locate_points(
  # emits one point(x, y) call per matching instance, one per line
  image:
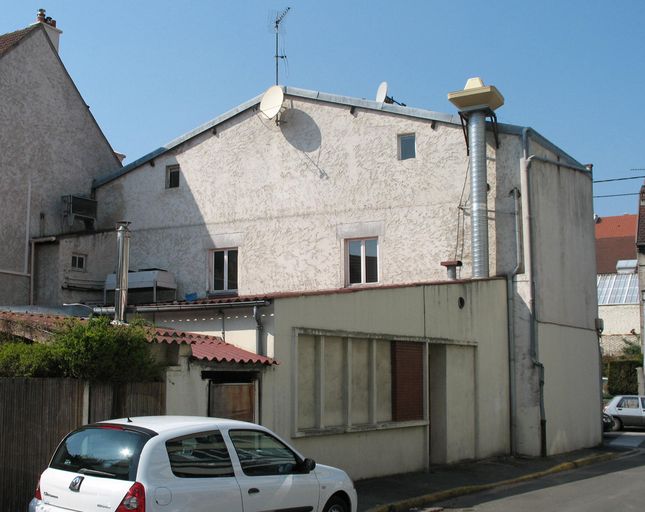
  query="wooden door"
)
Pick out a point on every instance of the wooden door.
point(232, 400)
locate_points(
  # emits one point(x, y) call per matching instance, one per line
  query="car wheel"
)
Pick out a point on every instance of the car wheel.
point(617, 425)
point(336, 504)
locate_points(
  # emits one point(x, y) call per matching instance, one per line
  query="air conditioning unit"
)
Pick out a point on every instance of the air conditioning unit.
point(82, 208)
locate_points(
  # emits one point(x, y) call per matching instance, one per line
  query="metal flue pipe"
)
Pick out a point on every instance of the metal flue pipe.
point(475, 102)
point(122, 265)
point(478, 192)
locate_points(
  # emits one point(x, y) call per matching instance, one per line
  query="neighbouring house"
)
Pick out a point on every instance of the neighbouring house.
point(50, 147)
point(180, 352)
point(339, 238)
point(618, 288)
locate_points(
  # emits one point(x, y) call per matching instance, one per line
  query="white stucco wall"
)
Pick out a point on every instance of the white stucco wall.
point(288, 195)
point(51, 146)
point(56, 283)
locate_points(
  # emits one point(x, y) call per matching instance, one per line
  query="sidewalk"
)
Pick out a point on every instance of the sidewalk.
point(401, 492)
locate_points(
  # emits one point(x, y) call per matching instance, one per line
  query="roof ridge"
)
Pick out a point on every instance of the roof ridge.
point(11, 39)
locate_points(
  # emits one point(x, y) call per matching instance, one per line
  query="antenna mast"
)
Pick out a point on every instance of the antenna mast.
point(278, 20)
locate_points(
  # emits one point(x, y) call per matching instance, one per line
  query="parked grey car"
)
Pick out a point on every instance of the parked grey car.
point(627, 411)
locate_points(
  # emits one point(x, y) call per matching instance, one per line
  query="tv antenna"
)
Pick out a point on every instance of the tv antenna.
point(276, 25)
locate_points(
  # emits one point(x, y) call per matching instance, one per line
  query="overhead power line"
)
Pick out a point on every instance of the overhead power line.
point(620, 179)
point(618, 195)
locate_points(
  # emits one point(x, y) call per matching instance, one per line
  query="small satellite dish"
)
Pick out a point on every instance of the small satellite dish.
point(381, 92)
point(272, 101)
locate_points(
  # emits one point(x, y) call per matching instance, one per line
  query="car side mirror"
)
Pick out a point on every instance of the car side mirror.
point(308, 465)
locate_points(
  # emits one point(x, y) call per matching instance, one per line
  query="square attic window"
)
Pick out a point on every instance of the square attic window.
point(172, 176)
point(78, 262)
point(407, 146)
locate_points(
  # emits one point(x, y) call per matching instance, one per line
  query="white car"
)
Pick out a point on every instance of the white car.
point(182, 463)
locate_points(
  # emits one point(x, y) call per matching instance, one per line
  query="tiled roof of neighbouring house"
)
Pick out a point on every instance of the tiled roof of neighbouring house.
point(616, 226)
point(8, 41)
point(210, 348)
point(615, 241)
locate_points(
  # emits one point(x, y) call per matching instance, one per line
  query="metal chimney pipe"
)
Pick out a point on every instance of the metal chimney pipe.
point(475, 102)
point(478, 192)
point(122, 265)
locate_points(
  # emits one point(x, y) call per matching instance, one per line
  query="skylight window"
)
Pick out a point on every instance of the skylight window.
point(617, 289)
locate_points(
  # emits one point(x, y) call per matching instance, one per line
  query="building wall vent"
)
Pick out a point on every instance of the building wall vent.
point(79, 208)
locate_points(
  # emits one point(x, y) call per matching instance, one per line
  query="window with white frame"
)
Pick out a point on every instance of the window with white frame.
point(78, 262)
point(361, 261)
point(224, 270)
point(407, 146)
point(172, 176)
point(354, 383)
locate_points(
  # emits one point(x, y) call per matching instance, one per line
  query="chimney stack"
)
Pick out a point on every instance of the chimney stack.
point(50, 27)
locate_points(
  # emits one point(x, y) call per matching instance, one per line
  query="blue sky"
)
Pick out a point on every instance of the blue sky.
point(573, 70)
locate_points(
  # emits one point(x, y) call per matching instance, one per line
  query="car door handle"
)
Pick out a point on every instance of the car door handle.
point(254, 490)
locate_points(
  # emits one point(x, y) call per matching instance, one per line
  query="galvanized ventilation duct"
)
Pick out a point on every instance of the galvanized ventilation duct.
point(122, 265)
point(475, 103)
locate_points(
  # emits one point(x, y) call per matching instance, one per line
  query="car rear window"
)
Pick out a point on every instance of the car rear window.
point(108, 451)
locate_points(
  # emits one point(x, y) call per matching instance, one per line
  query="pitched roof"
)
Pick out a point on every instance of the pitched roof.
point(615, 241)
point(211, 348)
point(370, 105)
point(8, 41)
point(617, 226)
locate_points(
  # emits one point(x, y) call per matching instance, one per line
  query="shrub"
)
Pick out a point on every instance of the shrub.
point(622, 376)
point(93, 350)
point(19, 359)
point(96, 350)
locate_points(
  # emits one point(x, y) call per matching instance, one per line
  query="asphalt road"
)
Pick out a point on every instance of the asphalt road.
point(615, 485)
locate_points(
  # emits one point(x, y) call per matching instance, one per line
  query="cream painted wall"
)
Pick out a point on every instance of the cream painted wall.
point(51, 146)
point(186, 391)
point(565, 300)
point(477, 429)
point(574, 422)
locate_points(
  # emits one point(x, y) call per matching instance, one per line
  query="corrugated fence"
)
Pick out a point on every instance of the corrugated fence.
point(36, 413)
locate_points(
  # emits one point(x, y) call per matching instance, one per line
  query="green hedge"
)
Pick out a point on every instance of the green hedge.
point(93, 350)
point(622, 376)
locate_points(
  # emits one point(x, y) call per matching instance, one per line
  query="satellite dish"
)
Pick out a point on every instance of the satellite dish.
point(381, 92)
point(272, 101)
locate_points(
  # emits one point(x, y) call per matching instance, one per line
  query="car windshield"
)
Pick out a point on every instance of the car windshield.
point(106, 451)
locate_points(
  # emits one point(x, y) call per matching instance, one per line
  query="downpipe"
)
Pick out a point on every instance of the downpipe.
point(510, 298)
point(525, 166)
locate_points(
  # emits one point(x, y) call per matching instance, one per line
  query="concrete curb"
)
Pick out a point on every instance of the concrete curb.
point(404, 505)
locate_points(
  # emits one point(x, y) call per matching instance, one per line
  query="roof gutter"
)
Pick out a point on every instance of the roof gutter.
point(166, 308)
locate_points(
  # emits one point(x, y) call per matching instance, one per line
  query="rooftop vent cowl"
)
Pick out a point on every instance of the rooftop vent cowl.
point(475, 102)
